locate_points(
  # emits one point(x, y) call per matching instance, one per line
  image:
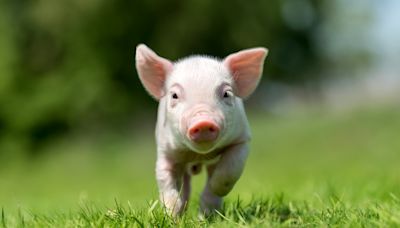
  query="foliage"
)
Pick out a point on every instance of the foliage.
point(68, 65)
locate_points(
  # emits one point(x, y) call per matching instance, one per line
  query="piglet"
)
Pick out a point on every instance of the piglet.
point(201, 120)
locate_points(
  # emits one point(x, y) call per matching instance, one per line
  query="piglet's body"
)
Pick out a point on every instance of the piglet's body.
point(201, 120)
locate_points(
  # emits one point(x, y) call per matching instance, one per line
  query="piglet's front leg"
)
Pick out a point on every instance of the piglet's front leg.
point(169, 177)
point(222, 176)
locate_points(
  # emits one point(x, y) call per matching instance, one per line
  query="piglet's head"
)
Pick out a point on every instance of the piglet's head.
point(201, 94)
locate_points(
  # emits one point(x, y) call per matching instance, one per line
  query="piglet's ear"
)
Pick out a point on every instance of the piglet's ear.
point(246, 68)
point(152, 70)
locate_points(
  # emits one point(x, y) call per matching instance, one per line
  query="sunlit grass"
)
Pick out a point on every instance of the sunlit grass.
point(309, 169)
point(274, 211)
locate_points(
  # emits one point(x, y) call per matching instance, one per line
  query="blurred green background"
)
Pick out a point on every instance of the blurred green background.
point(76, 123)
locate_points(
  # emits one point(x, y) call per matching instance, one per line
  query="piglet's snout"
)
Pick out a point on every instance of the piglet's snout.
point(203, 131)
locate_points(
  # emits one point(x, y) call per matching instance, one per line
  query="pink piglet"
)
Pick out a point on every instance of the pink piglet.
point(201, 121)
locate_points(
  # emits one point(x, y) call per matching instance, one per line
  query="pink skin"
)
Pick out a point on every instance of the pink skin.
point(201, 120)
point(203, 131)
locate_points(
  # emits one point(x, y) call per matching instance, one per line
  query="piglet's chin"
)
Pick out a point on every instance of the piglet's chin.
point(201, 148)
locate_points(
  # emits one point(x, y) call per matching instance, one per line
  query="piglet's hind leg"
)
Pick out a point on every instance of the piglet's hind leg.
point(209, 202)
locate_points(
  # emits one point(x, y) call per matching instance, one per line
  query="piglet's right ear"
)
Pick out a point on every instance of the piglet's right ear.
point(152, 70)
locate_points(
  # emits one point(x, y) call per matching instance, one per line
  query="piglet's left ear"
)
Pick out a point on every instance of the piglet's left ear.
point(246, 68)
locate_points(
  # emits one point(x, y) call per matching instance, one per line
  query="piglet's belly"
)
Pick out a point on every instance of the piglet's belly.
point(193, 157)
point(195, 167)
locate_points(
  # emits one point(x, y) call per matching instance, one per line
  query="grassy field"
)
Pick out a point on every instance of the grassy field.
point(306, 169)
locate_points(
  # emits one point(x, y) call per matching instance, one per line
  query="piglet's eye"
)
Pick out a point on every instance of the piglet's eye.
point(227, 94)
point(174, 96)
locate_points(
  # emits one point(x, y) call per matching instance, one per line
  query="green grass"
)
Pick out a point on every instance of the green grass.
point(257, 212)
point(309, 169)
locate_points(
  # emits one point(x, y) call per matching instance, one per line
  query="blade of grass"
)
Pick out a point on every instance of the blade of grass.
point(3, 218)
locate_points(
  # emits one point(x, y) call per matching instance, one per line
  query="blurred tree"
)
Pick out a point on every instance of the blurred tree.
point(70, 63)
